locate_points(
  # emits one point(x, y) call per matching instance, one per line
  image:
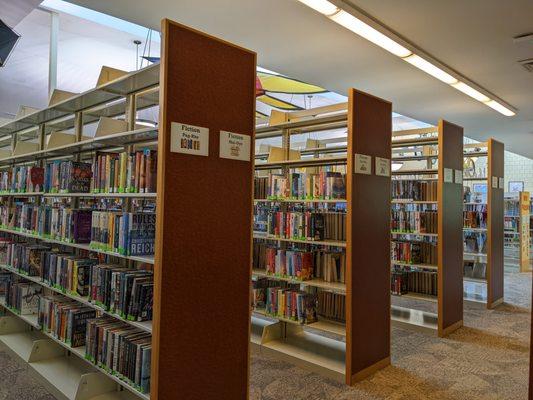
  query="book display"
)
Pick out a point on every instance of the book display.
point(518, 224)
point(426, 221)
point(311, 288)
point(483, 239)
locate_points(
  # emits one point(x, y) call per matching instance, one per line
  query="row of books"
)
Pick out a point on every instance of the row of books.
point(134, 172)
point(308, 225)
point(423, 282)
point(414, 221)
point(329, 266)
point(22, 179)
point(121, 350)
point(324, 185)
point(414, 190)
point(474, 219)
point(125, 292)
point(67, 177)
point(64, 319)
point(331, 306)
point(126, 233)
point(22, 297)
point(414, 252)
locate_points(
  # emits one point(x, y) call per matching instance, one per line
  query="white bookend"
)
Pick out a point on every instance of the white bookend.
point(22, 148)
point(25, 110)
point(108, 126)
point(108, 74)
point(59, 138)
point(60, 95)
point(278, 154)
point(5, 153)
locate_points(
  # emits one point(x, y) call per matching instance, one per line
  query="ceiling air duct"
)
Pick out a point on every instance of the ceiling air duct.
point(8, 40)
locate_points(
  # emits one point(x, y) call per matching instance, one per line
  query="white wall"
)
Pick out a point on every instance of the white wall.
point(518, 168)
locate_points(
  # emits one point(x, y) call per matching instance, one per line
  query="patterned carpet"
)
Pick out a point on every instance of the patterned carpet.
point(486, 359)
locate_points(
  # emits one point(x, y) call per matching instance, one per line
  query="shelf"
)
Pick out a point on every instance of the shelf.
point(474, 254)
point(319, 283)
point(114, 90)
point(21, 343)
point(474, 179)
point(404, 264)
point(416, 172)
point(27, 194)
point(144, 326)
point(475, 229)
point(474, 204)
point(104, 195)
point(325, 325)
point(143, 259)
point(414, 319)
point(476, 280)
point(311, 162)
point(414, 233)
point(414, 142)
point(417, 296)
point(402, 201)
point(299, 201)
point(315, 242)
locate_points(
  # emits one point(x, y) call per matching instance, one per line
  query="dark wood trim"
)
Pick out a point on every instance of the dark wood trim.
point(495, 205)
point(450, 229)
point(368, 239)
point(203, 255)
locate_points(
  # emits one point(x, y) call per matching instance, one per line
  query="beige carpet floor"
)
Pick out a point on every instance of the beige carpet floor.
point(486, 359)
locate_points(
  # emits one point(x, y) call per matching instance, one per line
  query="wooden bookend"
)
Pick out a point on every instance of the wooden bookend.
point(524, 227)
point(108, 74)
point(368, 300)
point(108, 126)
point(450, 228)
point(495, 205)
point(58, 96)
point(201, 327)
point(25, 148)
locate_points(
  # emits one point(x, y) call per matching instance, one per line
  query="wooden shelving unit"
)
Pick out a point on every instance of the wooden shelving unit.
point(483, 194)
point(518, 218)
point(190, 257)
point(360, 348)
point(428, 155)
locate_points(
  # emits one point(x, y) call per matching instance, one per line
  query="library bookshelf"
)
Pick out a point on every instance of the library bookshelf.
point(518, 216)
point(356, 341)
point(427, 227)
point(179, 90)
point(483, 233)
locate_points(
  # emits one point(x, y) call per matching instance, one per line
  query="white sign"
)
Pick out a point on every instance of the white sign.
point(363, 164)
point(189, 139)
point(495, 182)
point(448, 175)
point(502, 183)
point(382, 166)
point(459, 176)
point(234, 146)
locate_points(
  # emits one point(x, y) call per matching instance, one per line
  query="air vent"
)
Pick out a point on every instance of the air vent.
point(527, 64)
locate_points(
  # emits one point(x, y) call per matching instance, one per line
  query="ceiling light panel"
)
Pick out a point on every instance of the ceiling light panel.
point(322, 6)
point(501, 109)
point(470, 91)
point(430, 69)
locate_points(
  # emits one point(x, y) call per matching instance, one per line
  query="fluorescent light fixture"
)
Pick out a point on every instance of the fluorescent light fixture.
point(366, 31)
point(429, 68)
point(501, 109)
point(322, 6)
point(463, 87)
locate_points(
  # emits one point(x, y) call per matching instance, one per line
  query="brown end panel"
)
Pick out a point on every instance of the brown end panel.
point(450, 219)
point(531, 358)
point(368, 234)
point(495, 224)
point(204, 220)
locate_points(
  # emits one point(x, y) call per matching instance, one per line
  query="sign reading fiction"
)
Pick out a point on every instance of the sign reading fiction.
point(382, 166)
point(363, 164)
point(189, 139)
point(234, 146)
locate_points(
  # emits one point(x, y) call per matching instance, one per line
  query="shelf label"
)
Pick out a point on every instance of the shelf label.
point(382, 166)
point(448, 175)
point(363, 164)
point(502, 183)
point(189, 139)
point(234, 146)
point(495, 182)
point(459, 176)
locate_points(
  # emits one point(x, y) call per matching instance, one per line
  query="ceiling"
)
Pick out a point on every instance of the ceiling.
point(472, 37)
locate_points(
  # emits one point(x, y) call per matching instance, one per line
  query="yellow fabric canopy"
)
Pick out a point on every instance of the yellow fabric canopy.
point(281, 84)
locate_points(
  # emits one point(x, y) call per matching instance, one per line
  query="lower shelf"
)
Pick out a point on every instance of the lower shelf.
point(308, 350)
point(418, 320)
point(475, 290)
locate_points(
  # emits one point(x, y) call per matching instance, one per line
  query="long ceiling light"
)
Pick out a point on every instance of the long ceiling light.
point(361, 28)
